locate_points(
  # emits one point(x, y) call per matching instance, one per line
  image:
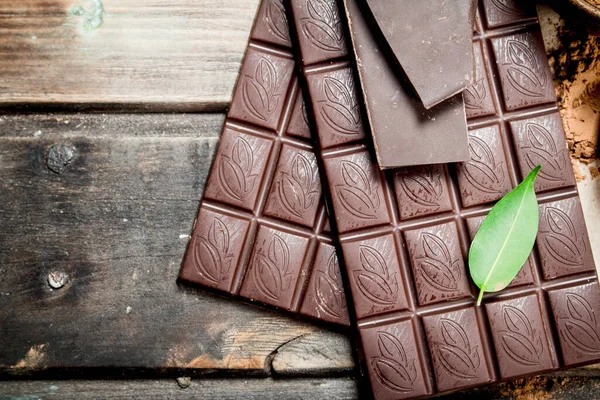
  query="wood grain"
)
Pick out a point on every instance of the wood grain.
point(155, 55)
point(543, 387)
point(319, 353)
point(340, 388)
point(117, 222)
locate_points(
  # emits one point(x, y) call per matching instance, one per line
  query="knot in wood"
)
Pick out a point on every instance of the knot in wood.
point(57, 279)
point(59, 156)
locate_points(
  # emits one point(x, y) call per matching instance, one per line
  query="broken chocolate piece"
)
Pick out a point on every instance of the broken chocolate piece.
point(431, 39)
point(404, 132)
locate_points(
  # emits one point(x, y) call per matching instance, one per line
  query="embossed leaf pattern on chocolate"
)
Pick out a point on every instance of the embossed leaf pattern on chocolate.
point(541, 149)
point(561, 240)
point(357, 195)
point(323, 26)
point(393, 368)
point(436, 266)
point(235, 170)
point(271, 271)
point(298, 189)
point(425, 188)
point(340, 110)
point(483, 171)
point(258, 90)
point(507, 7)
point(329, 290)
point(277, 20)
point(474, 95)
point(211, 253)
point(374, 279)
point(455, 353)
point(580, 326)
point(525, 73)
point(520, 341)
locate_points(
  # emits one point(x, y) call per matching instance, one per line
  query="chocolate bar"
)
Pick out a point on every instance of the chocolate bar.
point(262, 229)
point(404, 132)
point(431, 40)
point(404, 233)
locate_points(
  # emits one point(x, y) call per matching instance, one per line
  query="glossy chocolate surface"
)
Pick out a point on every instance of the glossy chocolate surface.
point(404, 233)
point(262, 231)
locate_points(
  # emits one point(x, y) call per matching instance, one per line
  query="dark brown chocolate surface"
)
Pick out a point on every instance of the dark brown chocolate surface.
point(261, 232)
point(432, 42)
point(404, 234)
point(405, 132)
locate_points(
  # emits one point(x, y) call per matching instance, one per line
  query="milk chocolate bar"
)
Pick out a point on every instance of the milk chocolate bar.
point(262, 229)
point(404, 234)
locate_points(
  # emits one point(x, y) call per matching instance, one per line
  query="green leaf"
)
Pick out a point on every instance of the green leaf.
point(505, 239)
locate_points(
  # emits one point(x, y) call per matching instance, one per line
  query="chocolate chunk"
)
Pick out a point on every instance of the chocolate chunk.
point(431, 39)
point(262, 232)
point(404, 233)
point(404, 131)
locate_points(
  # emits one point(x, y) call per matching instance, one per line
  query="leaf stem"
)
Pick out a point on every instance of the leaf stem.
point(481, 292)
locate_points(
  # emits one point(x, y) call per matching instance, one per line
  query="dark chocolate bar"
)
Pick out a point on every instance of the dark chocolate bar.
point(404, 132)
point(404, 233)
point(262, 229)
point(431, 39)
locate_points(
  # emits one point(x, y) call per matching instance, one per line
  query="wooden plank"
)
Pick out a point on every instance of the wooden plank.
point(340, 388)
point(116, 221)
point(543, 387)
point(122, 54)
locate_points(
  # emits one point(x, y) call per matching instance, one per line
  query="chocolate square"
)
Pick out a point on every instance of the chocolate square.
point(562, 241)
point(456, 349)
point(336, 107)
point(395, 367)
point(296, 189)
point(320, 30)
point(275, 267)
point(485, 177)
point(325, 298)
point(271, 24)
point(374, 272)
point(437, 263)
point(575, 311)
point(356, 190)
point(264, 81)
point(212, 256)
point(520, 336)
point(421, 190)
point(524, 72)
point(541, 141)
point(478, 97)
point(240, 167)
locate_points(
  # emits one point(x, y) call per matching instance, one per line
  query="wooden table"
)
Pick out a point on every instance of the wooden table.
point(110, 112)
